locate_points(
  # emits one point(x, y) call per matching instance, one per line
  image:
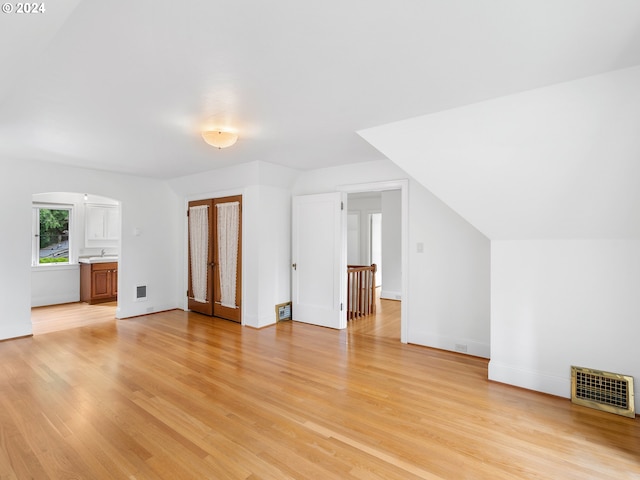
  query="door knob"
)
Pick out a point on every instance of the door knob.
point(295, 266)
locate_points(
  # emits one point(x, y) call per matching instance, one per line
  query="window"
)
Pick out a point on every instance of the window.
point(51, 227)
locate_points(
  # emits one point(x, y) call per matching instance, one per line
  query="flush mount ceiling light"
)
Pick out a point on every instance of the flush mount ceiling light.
point(220, 138)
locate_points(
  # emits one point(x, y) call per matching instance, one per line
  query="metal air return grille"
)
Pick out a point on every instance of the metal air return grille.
point(610, 392)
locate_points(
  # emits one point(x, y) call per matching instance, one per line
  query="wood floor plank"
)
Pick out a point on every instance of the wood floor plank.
point(180, 395)
point(62, 317)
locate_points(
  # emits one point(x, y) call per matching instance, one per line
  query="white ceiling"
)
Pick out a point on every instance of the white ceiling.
point(126, 85)
point(556, 162)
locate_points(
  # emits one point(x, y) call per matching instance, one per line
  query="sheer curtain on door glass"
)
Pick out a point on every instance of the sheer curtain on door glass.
point(228, 229)
point(199, 245)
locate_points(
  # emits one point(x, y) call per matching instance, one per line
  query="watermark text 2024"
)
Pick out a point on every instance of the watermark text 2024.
point(23, 8)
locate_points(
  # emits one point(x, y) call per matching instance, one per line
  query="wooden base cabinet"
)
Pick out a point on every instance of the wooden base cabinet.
point(98, 282)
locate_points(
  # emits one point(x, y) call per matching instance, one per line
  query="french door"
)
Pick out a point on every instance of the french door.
point(215, 257)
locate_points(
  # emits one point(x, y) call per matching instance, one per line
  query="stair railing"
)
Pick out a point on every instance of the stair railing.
point(361, 292)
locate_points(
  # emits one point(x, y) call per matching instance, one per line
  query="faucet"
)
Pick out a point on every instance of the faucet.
point(102, 253)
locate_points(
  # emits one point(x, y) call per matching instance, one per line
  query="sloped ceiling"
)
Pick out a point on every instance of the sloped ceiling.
point(127, 85)
point(555, 162)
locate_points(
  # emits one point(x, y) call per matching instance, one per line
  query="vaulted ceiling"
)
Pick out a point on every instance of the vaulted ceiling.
point(556, 162)
point(521, 115)
point(127, 85)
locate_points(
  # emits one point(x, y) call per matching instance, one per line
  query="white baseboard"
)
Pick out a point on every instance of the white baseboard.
point(16, 329)
point(138, 309)
point(54, 300)
point(531, 380)
point(390, 295)
point(259, 321)
point(442, 342)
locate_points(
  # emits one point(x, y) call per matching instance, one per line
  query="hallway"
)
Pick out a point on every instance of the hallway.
point(385, 323)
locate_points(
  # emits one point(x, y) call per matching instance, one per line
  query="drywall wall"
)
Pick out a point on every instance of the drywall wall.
point(362, 204)
point(55, 284)
point(266, 253)
point(449, 280)
point(148, 249)
point(554, 162)
point(391, 203)
point(557, 303)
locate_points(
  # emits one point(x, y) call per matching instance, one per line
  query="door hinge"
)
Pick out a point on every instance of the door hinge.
point(341, 306)
point(187, 213)
point(341, 205)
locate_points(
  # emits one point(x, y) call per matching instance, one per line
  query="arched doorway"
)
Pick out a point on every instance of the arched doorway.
point(70, 229)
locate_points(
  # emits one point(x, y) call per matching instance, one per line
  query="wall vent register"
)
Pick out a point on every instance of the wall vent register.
point(141, 292)
point(283, 312)
point(606, 391)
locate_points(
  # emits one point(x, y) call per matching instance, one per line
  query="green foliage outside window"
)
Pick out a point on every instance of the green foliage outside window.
point(54, 226)
point(53, 235)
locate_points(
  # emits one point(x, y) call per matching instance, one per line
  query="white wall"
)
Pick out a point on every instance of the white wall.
point(54, 284)
point(15, 275)
point(554, 162)
point(275, 252)
point(391, 244)
point(266, 236)
point(557, 303)
point(149, 258)
point(353, 238)
point(450, 280)
point(363, 205)
point(449, 283)
point(266, 253)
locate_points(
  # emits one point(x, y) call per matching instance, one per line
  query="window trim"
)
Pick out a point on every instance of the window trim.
point(35, 233)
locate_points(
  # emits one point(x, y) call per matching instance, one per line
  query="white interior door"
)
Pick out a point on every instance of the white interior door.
point(319, 259)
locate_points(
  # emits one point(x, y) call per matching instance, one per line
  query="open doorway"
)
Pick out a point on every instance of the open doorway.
point(73, 232)
point(375, 235)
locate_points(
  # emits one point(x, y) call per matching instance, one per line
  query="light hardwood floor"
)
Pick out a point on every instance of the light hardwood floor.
point(177, 395)
point(70, 315)
point(384, 324)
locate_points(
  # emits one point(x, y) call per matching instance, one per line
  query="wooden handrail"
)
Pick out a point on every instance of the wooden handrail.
point(361, 290)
